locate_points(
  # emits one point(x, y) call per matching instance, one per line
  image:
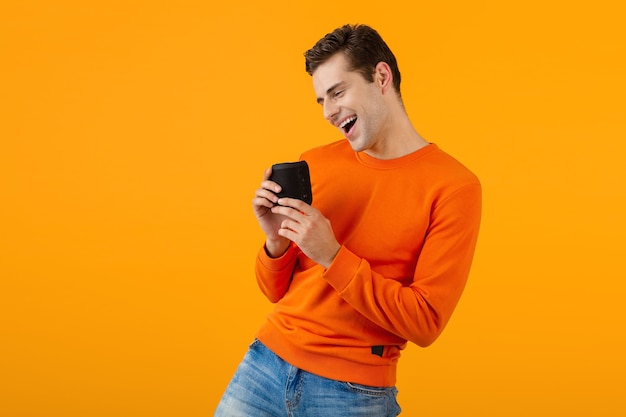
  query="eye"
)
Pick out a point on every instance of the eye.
point(338, 93)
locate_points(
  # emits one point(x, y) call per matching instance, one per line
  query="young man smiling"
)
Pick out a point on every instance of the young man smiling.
point(370, 114)
point(380, 258)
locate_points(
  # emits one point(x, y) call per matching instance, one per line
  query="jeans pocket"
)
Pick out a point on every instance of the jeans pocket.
point(367, 390)
point(254, 343)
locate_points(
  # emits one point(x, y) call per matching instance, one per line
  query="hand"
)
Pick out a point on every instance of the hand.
point(308, 228)
point(265, 198)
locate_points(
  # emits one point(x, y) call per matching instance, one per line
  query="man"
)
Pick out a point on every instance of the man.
point(380, 258)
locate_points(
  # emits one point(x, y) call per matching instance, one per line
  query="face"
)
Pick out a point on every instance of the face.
point(352, 104)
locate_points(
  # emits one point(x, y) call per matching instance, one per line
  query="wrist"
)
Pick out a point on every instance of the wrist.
point(275, 248)
point(330, 260)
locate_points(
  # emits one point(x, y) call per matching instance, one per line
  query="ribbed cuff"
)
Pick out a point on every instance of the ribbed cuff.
point(343, 269)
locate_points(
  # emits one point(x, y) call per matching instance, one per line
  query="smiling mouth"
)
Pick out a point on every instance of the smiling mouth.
point(348, 124)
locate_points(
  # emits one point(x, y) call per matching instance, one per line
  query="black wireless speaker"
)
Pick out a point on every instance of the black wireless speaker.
point(295, 180)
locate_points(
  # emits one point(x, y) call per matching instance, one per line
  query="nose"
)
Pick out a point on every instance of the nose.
point(330, 110)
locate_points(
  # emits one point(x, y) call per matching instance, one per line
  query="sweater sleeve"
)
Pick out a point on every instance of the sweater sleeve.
point(417, 312)
point(274, 274)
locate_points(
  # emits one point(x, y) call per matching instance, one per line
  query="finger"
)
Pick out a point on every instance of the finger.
point(267, 195)
point(287, 211)
point(289, 234)
point(299, 205)
point(270, 185)
point(262, 202)
point(289, 225)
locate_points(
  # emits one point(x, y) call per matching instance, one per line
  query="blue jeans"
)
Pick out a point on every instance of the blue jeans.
point(266, 386)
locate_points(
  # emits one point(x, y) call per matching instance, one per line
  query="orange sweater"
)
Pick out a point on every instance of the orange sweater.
point(408, 228)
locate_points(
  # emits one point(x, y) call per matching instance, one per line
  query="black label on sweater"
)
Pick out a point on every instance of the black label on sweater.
point(378, 350)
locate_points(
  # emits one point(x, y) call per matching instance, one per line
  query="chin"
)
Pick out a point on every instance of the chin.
point(356, 148)
point(356, 145)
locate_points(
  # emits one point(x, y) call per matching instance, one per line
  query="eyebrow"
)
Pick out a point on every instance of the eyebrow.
point(320, 100)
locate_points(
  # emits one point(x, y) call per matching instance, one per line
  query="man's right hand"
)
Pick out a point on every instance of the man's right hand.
point(264, 199)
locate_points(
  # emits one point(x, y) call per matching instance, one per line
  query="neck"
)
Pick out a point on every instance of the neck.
point(397, 140)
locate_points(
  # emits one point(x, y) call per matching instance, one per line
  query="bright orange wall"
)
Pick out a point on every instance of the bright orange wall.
point(133, 135)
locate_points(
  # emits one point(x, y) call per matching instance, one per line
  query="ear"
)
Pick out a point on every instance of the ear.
point(383, 77)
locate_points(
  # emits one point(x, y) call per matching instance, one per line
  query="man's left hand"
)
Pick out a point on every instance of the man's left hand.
point(309, 229)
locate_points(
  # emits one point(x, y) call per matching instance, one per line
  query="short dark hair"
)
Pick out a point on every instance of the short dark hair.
point(363, 48)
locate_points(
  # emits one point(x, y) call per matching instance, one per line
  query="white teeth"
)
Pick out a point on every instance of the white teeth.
point(348, 120)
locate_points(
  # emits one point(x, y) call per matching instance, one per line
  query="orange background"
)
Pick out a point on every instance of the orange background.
point(133, 135)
